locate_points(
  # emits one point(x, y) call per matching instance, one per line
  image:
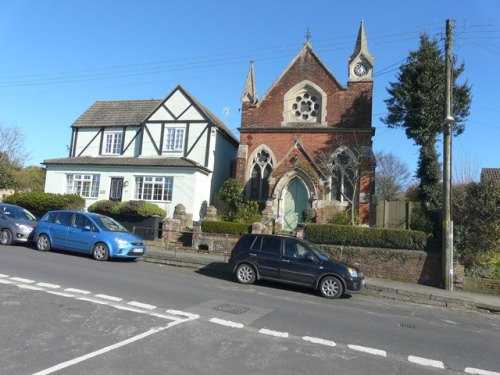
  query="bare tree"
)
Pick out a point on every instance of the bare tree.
point(392, 177)
point(465, 170)
point(12, 146)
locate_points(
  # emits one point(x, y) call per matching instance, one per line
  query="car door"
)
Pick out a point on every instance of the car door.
point(59, 229)
point(298, 263)
point(81, 234)
point(266, 252)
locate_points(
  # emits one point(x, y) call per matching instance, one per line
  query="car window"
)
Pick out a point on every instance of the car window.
point(245, 242)
point(110, 224)
point(271, 245)
point(80, 221)
point(63, 218)
point(296, 250)
point(256, 244)
point(50, 217)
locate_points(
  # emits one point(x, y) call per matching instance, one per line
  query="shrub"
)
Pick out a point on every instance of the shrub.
point(249, 213)
point(39, 203)
point(340, 218)
point(225, 227)
point(104, 207)
point(309, 215)
point(348, 235)
point(140, 208)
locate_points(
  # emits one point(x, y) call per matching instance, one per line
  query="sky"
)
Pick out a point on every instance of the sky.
point(59, 56)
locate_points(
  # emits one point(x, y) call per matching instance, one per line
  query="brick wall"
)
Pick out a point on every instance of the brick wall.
point(409, 266)
point(476, 284)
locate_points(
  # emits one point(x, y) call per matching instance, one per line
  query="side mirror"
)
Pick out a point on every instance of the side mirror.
point(87, 228)
point(311, 258)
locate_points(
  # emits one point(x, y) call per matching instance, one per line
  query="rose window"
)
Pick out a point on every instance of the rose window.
point(306, 107)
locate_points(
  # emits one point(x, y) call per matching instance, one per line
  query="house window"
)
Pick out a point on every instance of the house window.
point(261, 173)
point(84, 185)
point(175, 139)
point(113, 143)
point(154, 188)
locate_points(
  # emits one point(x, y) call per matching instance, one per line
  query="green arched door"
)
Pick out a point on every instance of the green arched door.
point(296, 200)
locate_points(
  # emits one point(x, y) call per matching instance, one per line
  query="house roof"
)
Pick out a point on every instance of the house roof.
point(116, 113)
point(490, 174)
point(127, 161)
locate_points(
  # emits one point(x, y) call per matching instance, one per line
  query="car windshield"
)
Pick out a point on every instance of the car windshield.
point(110, 224)
point(319, 253)
point(18, 213)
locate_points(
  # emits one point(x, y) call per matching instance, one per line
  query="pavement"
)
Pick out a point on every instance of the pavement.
point(396, 290)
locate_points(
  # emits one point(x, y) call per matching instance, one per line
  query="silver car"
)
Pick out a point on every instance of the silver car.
point(16, 224)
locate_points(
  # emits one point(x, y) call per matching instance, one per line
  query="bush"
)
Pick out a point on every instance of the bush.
point(309, 215)
point(249, 213)
point(39, 203)
point(349, 235)
point(225, 227)
point(131, 208)
point(340, 218)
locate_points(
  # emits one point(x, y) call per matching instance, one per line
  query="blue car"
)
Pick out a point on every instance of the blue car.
point(86, 232)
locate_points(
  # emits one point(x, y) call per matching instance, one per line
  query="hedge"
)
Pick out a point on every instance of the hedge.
point(349, 235)
point(131, 208)
point(225, 227)
point(39, 203)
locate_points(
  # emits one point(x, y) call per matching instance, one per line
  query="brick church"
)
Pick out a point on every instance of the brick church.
point(306, 144)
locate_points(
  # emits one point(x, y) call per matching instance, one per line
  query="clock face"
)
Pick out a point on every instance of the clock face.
point(360, 70)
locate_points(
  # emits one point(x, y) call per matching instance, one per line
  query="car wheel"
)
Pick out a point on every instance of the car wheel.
point(100, 252)
point(245, 274)
point(43, 243)
point(331, 287)
point(6, 237)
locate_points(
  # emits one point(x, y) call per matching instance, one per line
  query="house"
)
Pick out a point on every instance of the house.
point(307, 142)
point(490, 175)
point(171, 151)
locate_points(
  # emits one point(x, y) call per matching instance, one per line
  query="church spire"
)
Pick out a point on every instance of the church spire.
point(361, 62)
point(361, 47)
point(250, 91)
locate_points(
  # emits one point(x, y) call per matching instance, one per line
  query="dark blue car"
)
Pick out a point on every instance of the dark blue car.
point(86, 232)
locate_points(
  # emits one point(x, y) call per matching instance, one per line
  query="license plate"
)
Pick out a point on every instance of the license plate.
point(138, 251)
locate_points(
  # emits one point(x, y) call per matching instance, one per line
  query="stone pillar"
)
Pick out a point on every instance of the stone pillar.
point(186, 220)
point(170, 230)
point(211, 214)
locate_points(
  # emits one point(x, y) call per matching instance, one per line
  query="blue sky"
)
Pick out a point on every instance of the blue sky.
point(60, 56)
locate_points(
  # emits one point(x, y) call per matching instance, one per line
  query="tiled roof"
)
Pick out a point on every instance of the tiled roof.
point(490, 174)
point(127, 161)
point(116, 113)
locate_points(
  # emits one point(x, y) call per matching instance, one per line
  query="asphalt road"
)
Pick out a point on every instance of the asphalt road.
point(68, 314)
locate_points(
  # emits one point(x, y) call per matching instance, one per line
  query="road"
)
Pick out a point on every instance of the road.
point(68, 314)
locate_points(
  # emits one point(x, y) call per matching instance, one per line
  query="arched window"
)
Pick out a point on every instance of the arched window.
point(305, 103)
point(262, 167)
point(343, 175)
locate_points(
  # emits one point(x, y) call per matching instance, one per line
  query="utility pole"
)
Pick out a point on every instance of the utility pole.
point(447, 252)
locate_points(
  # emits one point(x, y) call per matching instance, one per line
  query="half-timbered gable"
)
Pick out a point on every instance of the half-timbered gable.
point(166, 151)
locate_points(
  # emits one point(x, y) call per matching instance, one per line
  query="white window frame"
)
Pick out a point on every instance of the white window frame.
point(113, 143)
point(174, 139)
point(84, 185)
point(154, 188)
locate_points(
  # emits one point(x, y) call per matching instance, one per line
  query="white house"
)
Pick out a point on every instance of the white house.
point(166, 151)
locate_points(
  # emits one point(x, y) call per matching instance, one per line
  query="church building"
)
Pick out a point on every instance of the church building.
point(306, 145)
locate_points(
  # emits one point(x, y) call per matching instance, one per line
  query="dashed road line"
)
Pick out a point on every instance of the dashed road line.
point(127, 308)
point(79, 291)
point(21, 280)
point(6, 282)
point(61, 294)
point(270, 332)
point(425, 361)
point(3, 275)
point(189, 316)
point(109, 298)
point(226, 323)
point(47, 285)
point(365, 349)
point(477, 371)
point(30, 287)
point(317, 340)
point(141, 305)
point(93, 300)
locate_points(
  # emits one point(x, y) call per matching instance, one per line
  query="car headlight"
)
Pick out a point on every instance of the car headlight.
point(352, 272)
point(122, 242)
point(24, 227)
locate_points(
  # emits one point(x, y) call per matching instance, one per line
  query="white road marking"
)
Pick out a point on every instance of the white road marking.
point(477, 371)
point(21, 280)
point(105, 350)
point(316, 340)
point(164, 316)
point(269, 332)
point(142, 305)
point(186, 314)
point(60, 294)
point(449, 321)
point(92, 300)
point(30, 287)
point(2, 275)
point(126, 308)
point(47, 285)
point(425, 361)
point(2, 281)
point(73, 290)
point(109, 298)
point(365, 349)
point(226, 323)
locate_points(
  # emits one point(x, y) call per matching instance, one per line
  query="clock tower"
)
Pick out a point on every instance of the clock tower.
point(361, 62)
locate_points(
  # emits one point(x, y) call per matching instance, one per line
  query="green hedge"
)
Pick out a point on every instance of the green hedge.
point(225, 227)
point(349, 235)
point(132, 208)
point(38, 203)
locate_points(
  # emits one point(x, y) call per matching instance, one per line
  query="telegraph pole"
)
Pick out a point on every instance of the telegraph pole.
point(447, 252)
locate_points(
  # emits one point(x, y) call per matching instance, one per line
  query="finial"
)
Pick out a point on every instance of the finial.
point(308, 35)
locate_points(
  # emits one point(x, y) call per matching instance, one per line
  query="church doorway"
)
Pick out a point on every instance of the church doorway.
point(296, 200)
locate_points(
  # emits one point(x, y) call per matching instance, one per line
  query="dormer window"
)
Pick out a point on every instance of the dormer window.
point(113, 143)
